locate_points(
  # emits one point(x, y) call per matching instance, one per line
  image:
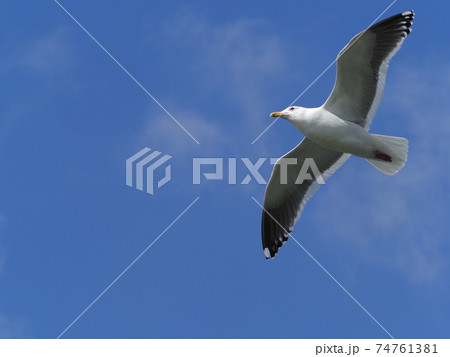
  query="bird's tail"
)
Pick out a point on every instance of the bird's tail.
point(391, 156)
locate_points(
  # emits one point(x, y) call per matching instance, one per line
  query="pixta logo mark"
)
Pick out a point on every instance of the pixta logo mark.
point(142, 167)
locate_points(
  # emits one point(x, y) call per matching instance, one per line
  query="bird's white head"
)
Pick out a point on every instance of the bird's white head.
point(290, 113)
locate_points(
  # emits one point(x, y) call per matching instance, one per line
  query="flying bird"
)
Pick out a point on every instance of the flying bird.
point(337, 129)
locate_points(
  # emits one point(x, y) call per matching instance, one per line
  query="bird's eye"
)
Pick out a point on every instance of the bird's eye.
point(291, 109)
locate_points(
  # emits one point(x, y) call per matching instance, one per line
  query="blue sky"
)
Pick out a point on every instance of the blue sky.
point(69, 225)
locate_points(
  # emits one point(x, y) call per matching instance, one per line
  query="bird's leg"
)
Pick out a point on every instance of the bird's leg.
point(382, 156)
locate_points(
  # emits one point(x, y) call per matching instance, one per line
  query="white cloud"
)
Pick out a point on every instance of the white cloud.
point(2, 225)
point(240, 53)
point(9, 327)
point(50, 52)
point(240, 60)
point(160, 130)
point(46, 57)
point(12, 328)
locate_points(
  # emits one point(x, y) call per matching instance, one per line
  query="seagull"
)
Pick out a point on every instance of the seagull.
point(336, 130)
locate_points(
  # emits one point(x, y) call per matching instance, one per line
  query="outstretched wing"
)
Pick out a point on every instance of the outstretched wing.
point(362, 67)
point(284, 200)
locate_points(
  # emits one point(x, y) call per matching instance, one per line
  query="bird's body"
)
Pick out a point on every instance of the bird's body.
point(338, 129)
point(330, 131)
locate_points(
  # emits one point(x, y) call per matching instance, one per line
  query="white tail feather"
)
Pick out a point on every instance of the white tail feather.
point(396, 148)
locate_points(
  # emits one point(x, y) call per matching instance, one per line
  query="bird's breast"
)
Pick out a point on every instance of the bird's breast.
point(332, 132)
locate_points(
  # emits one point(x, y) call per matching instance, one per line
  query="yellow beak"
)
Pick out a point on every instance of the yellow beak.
point(276, 114)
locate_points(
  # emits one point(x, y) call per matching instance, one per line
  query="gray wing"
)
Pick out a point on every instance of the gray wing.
point(362, 67)
point(284, 202)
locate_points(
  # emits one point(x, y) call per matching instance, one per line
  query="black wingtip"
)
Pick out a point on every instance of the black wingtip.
point(401, 23)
